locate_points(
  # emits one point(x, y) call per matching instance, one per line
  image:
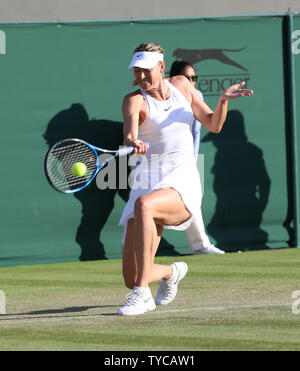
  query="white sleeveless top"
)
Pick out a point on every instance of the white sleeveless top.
point(169, 161)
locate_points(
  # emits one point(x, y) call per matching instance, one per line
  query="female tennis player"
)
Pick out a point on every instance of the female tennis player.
point(166, 191)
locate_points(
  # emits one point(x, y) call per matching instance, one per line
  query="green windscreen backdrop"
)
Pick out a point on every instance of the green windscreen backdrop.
point(69, 80)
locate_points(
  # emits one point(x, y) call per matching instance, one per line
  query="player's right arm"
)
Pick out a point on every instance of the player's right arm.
point(132, 108)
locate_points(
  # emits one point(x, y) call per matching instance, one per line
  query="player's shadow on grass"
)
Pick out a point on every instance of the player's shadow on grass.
point(242, 186)
point(70, 309)
point(97, 205)
point(48, 313)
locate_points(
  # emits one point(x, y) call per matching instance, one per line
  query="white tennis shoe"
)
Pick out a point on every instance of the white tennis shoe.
point(168, 288)
point(139, 302)
point(209, 250)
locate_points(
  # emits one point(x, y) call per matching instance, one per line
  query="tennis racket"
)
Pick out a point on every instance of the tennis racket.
point(63, 155)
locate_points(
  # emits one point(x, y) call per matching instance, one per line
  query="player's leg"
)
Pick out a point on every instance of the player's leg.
point(163, 207)
point(140, 300)
point(130, 270)
point(152, 211)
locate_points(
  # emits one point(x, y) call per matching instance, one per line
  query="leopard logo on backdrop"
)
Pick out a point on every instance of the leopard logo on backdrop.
point(2, 42)
point(198, 55)
point(213, 84)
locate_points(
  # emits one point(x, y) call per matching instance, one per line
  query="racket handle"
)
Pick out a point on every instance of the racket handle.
point(127, 150)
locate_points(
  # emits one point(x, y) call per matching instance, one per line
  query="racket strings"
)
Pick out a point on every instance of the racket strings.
point(61, 159)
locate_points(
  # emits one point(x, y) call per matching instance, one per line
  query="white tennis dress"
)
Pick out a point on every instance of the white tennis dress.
point(169, 161)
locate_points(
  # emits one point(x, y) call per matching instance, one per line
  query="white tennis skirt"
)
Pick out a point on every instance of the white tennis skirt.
point(165, 171)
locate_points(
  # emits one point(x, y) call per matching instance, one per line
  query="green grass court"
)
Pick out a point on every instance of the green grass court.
point(237, 301)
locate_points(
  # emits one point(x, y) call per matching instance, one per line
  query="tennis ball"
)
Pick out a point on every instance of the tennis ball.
point(79, 169)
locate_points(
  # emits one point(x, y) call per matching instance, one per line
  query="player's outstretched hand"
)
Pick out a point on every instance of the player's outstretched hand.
point(235, 91)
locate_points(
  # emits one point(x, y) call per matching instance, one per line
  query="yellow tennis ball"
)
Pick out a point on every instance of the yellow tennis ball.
point(79, 169)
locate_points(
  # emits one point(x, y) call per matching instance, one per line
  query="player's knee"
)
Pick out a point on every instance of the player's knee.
point(142, 205)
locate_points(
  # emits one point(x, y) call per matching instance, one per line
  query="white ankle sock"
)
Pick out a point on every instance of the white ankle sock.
point(145, 291)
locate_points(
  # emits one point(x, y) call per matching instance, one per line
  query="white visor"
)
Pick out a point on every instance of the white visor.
point(146, 59)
